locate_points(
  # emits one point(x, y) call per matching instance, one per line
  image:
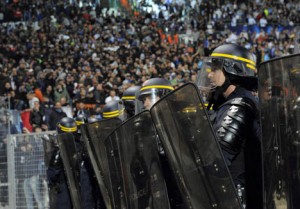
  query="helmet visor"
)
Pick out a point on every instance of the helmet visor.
point(139, 106)
point(147, 99)
point(129, 106)
point(205, 85)
point(122, 113)
point(209, 65)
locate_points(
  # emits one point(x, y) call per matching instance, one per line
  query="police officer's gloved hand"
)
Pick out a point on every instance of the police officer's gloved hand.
point(56, 161)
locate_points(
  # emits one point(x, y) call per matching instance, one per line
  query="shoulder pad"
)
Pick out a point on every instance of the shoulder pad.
point(241, 101)
point(235, 124)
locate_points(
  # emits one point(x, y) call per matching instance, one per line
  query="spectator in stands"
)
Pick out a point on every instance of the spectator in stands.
point(81, 110)
point(263, 23)
point(37, 117)
point(70, 84)
point(66, 107)
point(49, 93)
point(61, 91)
point(7, 88)
point(74, 52)
point(48, 103)
point(112, 97)
point(251, 20)
point(56, 114)
point(31, 99)
point(90, 98)
point(38, 93)
point(81, 95)
point(14, 102)
point(100, 94)
point(50, 79)
point(31, 183)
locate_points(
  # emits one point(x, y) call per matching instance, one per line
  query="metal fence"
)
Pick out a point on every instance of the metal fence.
point(4, 131)
point(26, 172)
point(22, 170)
point(3, 164)
point(22, 166)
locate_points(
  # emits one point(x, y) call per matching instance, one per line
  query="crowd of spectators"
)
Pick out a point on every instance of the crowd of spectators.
point(59, 59)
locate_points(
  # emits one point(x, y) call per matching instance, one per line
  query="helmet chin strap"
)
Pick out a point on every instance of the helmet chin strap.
point(217, 97)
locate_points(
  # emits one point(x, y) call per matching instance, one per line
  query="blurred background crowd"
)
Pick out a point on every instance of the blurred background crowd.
point(63, 58)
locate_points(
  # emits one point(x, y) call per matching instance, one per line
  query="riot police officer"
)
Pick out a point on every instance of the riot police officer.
point(80, 119)
point(94, 134)
point(112, 110)
point(90, 194)
point(226, 81)
point(128, 100)
point(59, 193)
point(152, 90)
point(56, 175)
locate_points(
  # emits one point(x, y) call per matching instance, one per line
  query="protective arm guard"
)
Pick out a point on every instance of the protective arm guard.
point(236, 124)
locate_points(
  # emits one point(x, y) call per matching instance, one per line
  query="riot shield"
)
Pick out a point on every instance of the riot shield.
point(71, 161)
point(279, 90)
point(94, 135)
point(115, 171)
point(49, 145)
point(190, 144)
point(143, 182)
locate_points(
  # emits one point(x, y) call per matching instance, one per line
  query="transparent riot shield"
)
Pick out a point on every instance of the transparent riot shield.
point(94, 135)
point(71, 161)
point(194, 154)
point(279, 90)
point(115, 171)
point(143, 182)
point(49, 145)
